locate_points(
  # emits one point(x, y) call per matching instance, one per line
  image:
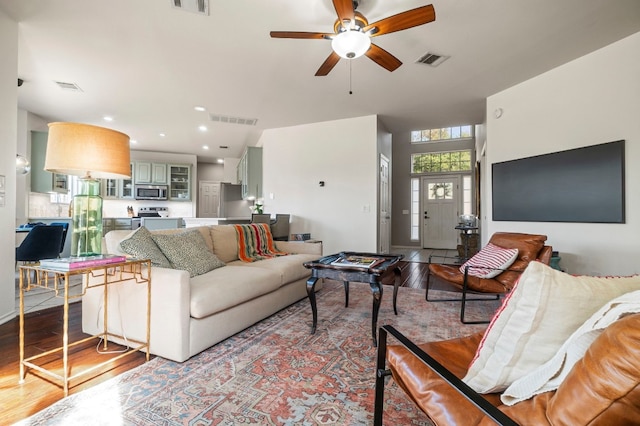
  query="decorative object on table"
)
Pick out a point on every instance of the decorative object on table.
point(22, 165)
point(257, 208)
point(357, 261)
point(92, 153)
point(72, 263)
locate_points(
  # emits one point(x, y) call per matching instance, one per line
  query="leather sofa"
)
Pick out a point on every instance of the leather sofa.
point(603, 388)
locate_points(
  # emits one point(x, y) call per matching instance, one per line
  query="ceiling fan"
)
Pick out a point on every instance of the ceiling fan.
point(352, 34)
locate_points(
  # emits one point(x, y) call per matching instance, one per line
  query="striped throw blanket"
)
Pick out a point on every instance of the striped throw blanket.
point(255, 242)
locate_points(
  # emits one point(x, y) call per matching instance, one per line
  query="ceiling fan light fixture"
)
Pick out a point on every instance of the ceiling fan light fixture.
point(351, 44)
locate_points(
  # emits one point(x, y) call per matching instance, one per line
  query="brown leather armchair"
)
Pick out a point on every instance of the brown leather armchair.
point(530, 247)
point(602, 388)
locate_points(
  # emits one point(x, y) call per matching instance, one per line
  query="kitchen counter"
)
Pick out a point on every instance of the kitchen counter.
point(191, 222)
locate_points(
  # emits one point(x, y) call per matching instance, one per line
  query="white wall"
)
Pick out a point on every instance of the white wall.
point(343, 154)
point(591, 100)
point(8, 142)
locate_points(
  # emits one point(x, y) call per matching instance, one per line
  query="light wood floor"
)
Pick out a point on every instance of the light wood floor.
point(43, 331)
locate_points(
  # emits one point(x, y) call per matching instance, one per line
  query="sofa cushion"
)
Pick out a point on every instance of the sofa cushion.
point(188, 251)
point(227, 287)
point(289, 268)
point(545, 307)
point(490, 261)
point(140, 244)
point(225, 242)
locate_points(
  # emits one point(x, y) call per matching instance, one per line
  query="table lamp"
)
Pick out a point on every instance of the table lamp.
point(92, 153)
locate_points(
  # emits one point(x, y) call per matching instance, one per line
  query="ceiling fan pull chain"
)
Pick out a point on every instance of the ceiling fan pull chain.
point(350, 91)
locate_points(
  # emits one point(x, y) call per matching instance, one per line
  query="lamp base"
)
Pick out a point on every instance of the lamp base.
point(86, 237)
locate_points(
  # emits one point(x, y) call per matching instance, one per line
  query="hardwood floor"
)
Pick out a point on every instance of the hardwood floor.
point(43, 331)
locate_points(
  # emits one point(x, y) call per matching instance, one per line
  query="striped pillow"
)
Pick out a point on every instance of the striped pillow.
point(490, 261)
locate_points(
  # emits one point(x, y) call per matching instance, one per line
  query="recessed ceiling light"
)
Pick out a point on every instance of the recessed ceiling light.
point(202, 128)
point(133, 141)
point(205, 146)
point(220, 161)
point(162, 135)
point(107, 118)
point(199, 108)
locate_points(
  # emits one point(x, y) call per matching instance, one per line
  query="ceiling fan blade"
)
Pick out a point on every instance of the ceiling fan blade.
point(402, 21)
point(328, 65)
point(299, 34)
point(344, 9)
point(383, 58)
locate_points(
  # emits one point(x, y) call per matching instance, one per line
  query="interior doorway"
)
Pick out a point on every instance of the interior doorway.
point(440, 201)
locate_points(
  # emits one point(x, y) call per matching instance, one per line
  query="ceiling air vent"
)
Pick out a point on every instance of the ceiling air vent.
point(432, 59)
point(68, 86)
point(195, 6)
point(233, 120)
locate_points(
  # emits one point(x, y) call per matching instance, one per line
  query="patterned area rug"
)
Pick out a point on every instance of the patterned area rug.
point(276, 372)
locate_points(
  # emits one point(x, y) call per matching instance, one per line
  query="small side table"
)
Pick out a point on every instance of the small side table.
point(57, 281)
point(322, 268)
point(469, 241)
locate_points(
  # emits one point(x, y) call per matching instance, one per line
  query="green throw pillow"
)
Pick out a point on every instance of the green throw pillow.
point(188, 251)
point(139, 244)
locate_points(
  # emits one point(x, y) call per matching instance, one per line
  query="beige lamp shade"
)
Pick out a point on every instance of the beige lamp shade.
point(88, 151)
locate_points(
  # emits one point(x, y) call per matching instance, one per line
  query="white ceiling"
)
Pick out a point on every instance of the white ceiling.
point(147, 64)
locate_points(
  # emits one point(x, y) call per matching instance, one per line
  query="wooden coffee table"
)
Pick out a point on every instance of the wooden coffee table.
point(323, 268)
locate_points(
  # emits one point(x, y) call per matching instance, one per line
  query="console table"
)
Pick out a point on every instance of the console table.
point(57, 281)
point(322, 268)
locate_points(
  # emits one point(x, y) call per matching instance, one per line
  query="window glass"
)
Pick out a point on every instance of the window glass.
point(415, 209)
point(442, 134)
point(439, 162)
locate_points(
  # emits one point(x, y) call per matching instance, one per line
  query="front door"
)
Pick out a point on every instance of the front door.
point(440, 202)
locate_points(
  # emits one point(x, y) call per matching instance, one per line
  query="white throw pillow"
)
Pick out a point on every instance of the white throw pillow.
point(545, 307)
point(550, 375)
point(490, 261)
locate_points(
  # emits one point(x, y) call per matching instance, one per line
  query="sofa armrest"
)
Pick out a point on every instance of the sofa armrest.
point(170, 311)
point(461, 387)
point(299, 247)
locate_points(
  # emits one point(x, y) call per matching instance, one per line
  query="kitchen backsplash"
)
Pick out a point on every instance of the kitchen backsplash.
point(40, 205)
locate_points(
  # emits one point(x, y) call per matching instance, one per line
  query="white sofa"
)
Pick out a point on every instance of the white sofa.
point(188, 315)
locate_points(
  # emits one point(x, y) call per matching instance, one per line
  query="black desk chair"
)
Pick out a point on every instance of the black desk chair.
point(42, 242)
point(65, 228)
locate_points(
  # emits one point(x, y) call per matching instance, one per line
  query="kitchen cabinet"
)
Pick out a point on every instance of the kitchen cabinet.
point(118, 188)
point(151, 173)
point(179, 182)
point(41, 180)
point(250, 173)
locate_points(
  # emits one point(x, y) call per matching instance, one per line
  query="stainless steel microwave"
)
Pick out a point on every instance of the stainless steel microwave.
point(151, 192)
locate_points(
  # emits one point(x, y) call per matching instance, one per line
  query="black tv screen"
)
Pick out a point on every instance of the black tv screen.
point(578, 185)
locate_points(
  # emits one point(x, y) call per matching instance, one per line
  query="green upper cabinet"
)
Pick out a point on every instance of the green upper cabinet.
point(151, 173)
point(179, 182)
point(41, 180)
point(118, 188)
point(250, 173)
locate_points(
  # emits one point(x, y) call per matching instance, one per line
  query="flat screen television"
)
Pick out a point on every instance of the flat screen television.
point(578, 185)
